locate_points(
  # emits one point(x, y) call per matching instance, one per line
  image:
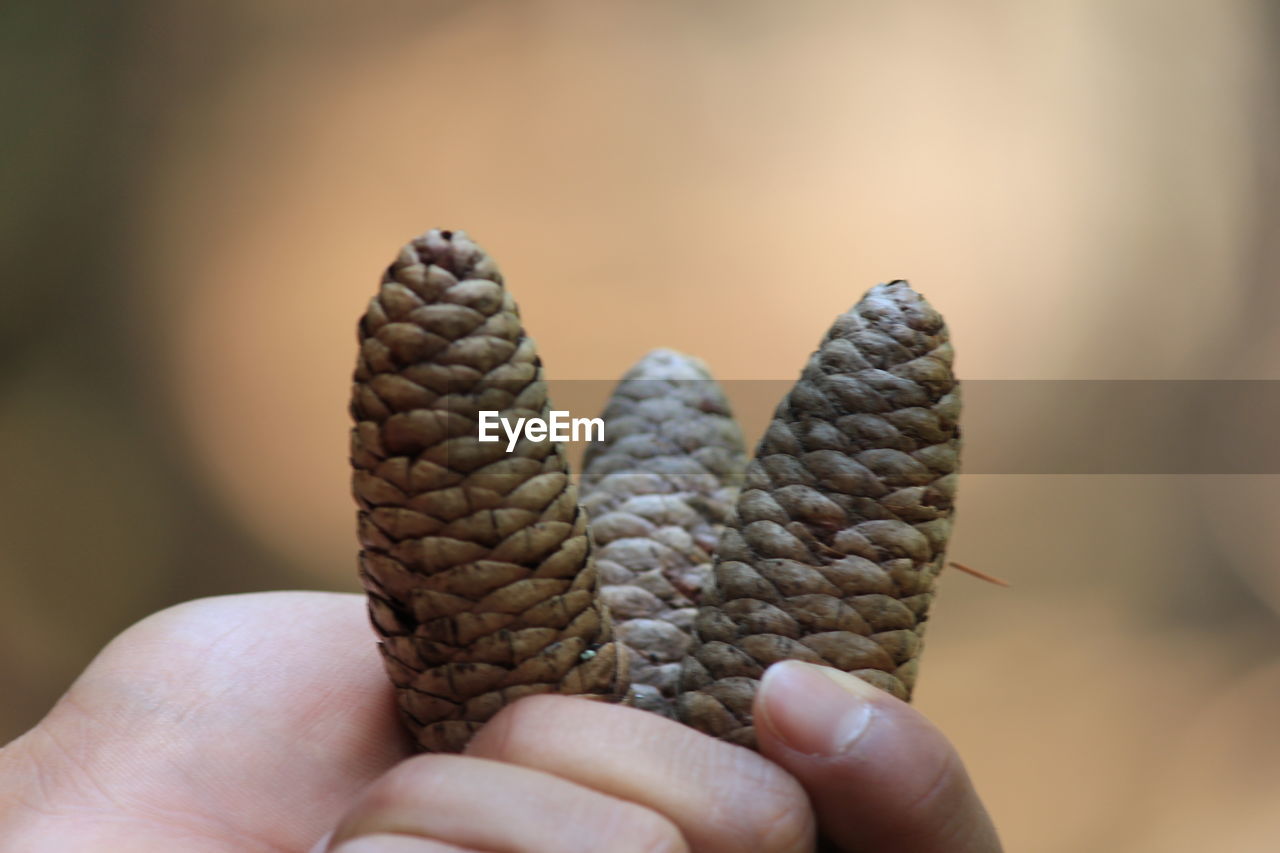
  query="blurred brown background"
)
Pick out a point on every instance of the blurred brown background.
point(198, 198)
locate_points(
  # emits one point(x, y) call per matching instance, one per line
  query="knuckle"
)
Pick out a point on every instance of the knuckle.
point(646, 831)
point(776, 816)
point(789, 829)
point(412, 780)
point(938, 790)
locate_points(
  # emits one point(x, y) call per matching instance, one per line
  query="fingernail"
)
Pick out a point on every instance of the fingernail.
point(815, 710)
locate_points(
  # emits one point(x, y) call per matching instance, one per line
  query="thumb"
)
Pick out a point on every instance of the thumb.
point(881, 777)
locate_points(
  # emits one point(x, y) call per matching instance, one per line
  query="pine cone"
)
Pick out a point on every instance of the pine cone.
point(659, 489)
point(477, 562)
point(841, 526)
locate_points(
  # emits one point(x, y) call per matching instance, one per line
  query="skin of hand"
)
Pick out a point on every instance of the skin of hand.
point(259, 722)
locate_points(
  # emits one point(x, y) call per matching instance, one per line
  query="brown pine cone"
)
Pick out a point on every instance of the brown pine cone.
point(477, 562)
point(659, 489)
point(841, 526)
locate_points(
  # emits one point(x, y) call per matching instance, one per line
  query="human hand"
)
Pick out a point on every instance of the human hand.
point(251, 723)
point(244, 723)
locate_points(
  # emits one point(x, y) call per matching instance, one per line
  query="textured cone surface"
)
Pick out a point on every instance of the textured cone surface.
point(840, 529)
point(476, 561)
point(659, 489)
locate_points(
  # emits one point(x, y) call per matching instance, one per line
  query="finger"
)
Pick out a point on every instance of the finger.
point(487, 805)
point(881, 777)
point(722, 797)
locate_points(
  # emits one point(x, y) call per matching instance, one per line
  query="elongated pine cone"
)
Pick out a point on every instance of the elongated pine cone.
point(659, 489)
point(477, 561)
point(841, 526)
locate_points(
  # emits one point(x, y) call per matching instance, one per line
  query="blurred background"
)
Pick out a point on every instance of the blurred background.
point(198, 198)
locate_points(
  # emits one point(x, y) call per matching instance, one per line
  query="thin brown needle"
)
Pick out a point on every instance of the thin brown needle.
point(980, 575)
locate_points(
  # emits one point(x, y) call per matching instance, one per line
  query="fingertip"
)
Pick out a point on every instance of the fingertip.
point(813, 710)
